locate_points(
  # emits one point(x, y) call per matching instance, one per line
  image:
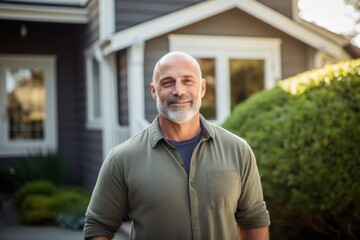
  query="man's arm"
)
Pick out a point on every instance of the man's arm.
point(254, 233)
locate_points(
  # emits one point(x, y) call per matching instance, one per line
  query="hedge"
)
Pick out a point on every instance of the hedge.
point(43, 203)
point(305, 133)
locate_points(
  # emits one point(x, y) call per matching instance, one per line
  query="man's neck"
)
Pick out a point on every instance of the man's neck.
point(180, 131)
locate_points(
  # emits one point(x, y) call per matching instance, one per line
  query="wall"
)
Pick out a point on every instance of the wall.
point(51, 39)
point(89, 142)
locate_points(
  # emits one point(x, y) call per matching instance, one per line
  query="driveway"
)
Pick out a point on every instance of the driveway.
point(10, 229)
point(20, 232)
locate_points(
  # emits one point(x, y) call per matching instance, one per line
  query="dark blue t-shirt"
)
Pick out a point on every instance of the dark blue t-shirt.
point(186, 149)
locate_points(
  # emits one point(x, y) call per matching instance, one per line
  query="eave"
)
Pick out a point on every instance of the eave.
point(75, 15)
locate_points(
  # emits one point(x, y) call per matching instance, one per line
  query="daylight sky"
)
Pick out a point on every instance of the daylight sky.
point(331, 14)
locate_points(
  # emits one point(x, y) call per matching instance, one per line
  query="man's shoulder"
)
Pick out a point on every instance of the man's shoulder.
point(133, 144)
point(225, 134)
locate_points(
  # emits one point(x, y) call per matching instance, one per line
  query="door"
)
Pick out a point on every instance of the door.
point(27, 105)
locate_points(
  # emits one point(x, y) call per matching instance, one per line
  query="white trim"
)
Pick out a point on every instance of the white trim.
point(50, 142)
point(322, 59)
point(136, 87)
point(295, 9)
point(197, 12)
point(336, 38)
point(106, 18)
point(43, 13)
point(224, 47)
point(109, 102)
point(92, 122)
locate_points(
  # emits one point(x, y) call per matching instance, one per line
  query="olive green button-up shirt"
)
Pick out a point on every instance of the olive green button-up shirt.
point(146, 177)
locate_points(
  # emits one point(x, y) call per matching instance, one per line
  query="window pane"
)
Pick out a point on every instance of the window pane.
point(26, 98)
point(96, 89)
point(208, 106)
point(247, 77)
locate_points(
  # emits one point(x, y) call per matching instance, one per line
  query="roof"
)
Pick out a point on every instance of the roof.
point(206, 9)
point(55, 2)
point(64, 11)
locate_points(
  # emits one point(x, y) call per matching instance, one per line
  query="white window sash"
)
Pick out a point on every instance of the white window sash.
point(92, 122)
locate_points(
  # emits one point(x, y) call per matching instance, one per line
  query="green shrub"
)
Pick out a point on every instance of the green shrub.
point(37, 210)
point(41, 202)
point(41, 187)
point(73, 216)
point(306, 135)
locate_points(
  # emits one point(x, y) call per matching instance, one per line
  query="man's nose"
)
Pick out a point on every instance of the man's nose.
point(178, 89)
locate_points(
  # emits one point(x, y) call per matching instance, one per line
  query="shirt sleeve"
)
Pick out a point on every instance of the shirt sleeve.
point(108, 201)
point(251, 210)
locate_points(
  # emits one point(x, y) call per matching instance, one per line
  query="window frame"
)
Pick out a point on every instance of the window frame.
point(25, 147)
point(223, 48)
point(92, 122)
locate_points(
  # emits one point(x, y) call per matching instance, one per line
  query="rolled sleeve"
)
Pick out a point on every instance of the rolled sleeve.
point(251, 210)
point(253, 218)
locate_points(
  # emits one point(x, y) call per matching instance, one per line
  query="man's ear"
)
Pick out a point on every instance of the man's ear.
point(203, 87)
point(153, 91)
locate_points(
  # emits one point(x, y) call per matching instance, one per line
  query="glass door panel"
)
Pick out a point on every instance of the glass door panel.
point(246, 77)
point(208, 105)
point(26, 98)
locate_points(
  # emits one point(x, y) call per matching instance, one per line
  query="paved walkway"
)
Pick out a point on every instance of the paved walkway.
point(20, 232)
point(10, 229)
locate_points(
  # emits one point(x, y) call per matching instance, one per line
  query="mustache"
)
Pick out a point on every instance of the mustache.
point(184, 97)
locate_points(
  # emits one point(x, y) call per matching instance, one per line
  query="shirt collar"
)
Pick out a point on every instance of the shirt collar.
point(156, 134)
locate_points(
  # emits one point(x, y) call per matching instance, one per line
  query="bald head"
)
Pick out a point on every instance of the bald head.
point(173, 59)
point(177, 87)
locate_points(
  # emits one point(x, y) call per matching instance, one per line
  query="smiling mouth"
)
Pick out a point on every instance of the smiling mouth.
point(179, 103)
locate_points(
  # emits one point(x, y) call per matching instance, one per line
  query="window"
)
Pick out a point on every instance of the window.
point(246, 78)
point(27, 91)
point(234, 68)
point(208, 104)
point(93, 93)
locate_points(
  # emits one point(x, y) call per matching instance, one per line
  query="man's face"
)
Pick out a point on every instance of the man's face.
point(178, 88)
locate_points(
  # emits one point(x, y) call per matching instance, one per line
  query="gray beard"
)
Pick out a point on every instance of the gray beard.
point(178, 114)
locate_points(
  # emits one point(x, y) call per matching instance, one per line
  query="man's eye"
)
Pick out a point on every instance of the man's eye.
point(166, 84)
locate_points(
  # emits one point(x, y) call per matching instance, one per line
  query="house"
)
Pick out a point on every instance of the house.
point(75, 74)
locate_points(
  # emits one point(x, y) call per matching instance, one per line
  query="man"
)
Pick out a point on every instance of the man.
point(182, 177)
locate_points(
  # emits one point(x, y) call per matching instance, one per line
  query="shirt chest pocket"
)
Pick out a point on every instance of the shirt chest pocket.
point(223, 188)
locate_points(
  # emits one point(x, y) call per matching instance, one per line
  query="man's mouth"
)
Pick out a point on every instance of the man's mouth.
point(179, 103)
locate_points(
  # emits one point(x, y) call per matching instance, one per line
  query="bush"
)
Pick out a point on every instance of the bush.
point(41, 202)
point(73, 216)
point(305, 134)
point(41, 187)
point(37, 210)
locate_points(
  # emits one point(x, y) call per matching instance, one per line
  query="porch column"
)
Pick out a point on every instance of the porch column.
point(109, 104)
point(135, 55)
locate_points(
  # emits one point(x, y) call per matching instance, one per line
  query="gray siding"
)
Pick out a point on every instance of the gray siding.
point(59, 40)
point(67, 42)
point(89, 141)
point(230, 23)
point(282, 6)
point(132, 12)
